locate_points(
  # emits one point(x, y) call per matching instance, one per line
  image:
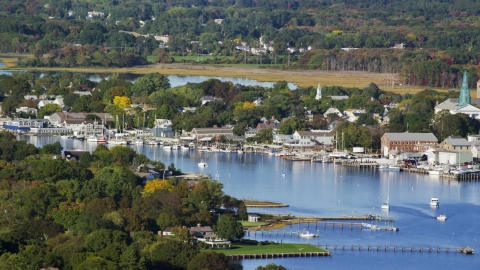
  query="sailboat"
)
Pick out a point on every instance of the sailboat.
point(386, 205)
point(117, 140)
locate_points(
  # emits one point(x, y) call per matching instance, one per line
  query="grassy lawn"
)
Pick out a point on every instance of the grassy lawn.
point(267, 249)
point(251, 224)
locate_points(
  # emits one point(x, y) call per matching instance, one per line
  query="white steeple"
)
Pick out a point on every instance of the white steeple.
point(319, 92)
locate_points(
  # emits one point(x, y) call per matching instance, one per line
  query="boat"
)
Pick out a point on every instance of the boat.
point(117, 141)
point(185, 147)
point(139, 141)
point(92, 138)
point(368, 226)
point(240, 151)
point(385, 205)
point(307, 234)
point(80, 137)
point(391, 168)
point(101, 140)
point(434, 202)
point(442, 217)
point(167, 147)
point(202, 164)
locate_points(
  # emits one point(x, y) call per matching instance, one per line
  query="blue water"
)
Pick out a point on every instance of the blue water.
point(333, 190)
point(175, 80)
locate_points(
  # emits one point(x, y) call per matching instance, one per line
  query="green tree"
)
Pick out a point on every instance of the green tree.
point(264, 136)
point(366, 119)
point(52, 149)
point(67, 213)
point(210, 261)
point(271, 266)
point(242, 211)
point(49, 109)
point(228, 228)
point(150, 83)
point(292, 125)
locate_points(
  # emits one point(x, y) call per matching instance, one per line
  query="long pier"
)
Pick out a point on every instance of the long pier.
point(279, 255)
point(465, 250)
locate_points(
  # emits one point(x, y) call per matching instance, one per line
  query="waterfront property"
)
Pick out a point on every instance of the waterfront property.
point(412, 142)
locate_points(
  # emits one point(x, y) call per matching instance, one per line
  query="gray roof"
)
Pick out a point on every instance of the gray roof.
point(411, 136)
point(451, 104)
point(457, 142)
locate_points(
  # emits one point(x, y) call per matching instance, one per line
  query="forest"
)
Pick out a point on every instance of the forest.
point(98, 214)
point(440, 38)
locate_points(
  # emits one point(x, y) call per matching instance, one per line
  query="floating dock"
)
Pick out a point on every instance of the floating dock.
point(465, 250)
point(279, 255)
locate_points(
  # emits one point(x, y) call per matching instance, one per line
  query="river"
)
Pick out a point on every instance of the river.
point(333, 190)
point(175, 80)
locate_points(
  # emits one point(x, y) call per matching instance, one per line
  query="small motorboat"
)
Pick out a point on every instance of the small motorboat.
point(442, 217)
point(434, 202)
point(307, 234)
point(202, 164)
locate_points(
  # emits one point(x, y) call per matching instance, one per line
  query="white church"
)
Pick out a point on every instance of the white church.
point(464, 104)
point(318, 96)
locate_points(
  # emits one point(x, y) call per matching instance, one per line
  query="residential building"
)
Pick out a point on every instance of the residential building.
point(456, 144)
point(24, 125)
point(253, 218)
point(186, 109)
point(57, 119)
point(202, 231)
point(311, 138)
point(353, 114)
point(411, 142)
point(200, 133)
point(163, 128)
point(208, 99)
point(27, 110)
point(73, 155)
point(333, 110)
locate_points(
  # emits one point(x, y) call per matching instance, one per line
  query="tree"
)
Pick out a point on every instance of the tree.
point(67, 213)
point(271, 266)
point(49, 109)
point(242, 211)
point(366, 119)
point(228, 228)
point(157, 184)
point(264, 136)
point(121, 101)
point(292, 125)
point(240, 129)
point(52, 149)
point(210, 261)
point(150, 83)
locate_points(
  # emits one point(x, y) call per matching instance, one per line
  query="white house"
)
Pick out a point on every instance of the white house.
point(311, 138)
point(43, 102)
point(469, 109)
point(333, 110)
point(353, 114)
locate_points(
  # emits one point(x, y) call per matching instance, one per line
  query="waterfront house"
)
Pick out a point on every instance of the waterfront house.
point(202, 231)
point(311, 138)
point(412, 142)
point(25, 125)
point(57, 119)
point(199, 133)
point(253, 218)
point(456, 144)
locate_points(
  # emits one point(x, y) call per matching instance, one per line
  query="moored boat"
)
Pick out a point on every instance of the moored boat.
point(202, 164)
point(434, 202)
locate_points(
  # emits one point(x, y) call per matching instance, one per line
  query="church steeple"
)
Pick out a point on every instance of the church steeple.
point(319, 92)
point(464, 91)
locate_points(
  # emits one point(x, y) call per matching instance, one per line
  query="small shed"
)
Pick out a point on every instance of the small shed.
point(253, 218)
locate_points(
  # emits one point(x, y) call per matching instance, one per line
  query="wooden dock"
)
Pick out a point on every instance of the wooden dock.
point(465, 250)
point(279, 255)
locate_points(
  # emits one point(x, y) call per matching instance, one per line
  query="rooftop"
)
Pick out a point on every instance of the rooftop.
point(411, 136)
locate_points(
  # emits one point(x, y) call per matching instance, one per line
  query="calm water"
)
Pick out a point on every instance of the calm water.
point(175, 80)
point(333, 190)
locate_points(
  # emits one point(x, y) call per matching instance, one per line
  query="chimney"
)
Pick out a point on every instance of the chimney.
point(267, 122)
point(199, 225)
point(215, 126)
point(273, 117)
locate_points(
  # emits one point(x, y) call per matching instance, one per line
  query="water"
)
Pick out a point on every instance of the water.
point(333, 190)
point(175, 80)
